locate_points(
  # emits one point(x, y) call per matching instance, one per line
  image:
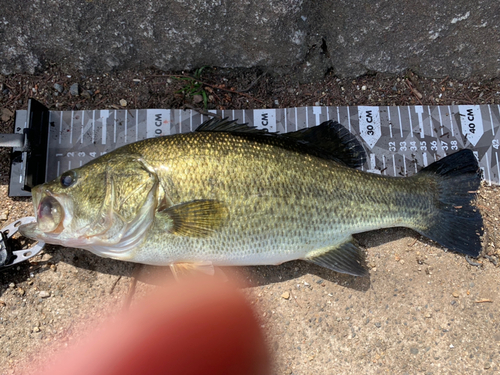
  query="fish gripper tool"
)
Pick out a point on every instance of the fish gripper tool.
point(10, 256)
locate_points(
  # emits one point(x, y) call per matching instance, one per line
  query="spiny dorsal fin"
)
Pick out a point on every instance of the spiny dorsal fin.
point(228, 126)
point(329, 140)
point(332, 137)
point(197, 218)
point(345, 258)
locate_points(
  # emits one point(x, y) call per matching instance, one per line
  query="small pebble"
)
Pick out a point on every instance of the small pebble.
point(86, 94)
point(487, 365)
point(414, 350)
point(36, 329)
point(58, 87)
point(123, 102)
point(455, 294)
point(43, 294)
point(74, 89)
point(285, 295)
point(12, 285)
point(21, 291)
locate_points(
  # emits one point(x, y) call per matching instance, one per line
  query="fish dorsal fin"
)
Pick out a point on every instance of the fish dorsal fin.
point(198, 218)
point(333, 138)
point(228, 126)
point(329, 140)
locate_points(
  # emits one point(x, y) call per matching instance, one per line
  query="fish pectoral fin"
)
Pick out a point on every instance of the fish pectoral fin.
point(179, 269)
point(345, 258)
point(198, 218)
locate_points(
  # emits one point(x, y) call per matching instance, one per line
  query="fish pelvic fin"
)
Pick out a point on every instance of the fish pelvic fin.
point(198, 218)
point(456, 223)
point(344, 258)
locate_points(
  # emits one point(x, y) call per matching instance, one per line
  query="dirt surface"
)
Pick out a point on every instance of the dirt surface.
point(422, 310)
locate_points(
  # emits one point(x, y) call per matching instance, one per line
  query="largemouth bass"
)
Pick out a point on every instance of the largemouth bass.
point(230, 194)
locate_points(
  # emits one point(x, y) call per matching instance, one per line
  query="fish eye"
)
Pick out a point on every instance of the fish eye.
point(68, 178)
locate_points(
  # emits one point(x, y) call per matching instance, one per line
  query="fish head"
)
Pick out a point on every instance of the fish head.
point(100, 206)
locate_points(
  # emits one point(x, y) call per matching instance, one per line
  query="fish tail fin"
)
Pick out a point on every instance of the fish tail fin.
point(456, 223)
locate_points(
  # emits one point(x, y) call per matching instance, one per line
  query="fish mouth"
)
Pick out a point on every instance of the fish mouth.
point(50, 215)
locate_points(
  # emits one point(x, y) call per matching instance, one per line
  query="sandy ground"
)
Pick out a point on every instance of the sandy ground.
point(421, 310)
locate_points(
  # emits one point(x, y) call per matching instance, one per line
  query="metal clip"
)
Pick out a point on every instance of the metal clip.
point(8, 256)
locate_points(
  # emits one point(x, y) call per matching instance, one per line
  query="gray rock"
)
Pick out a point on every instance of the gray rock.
point(300, 38)
point(58, 87)
point(74, 89)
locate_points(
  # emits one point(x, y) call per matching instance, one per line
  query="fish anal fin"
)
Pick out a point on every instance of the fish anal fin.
point(345, 258)
point(198, 218)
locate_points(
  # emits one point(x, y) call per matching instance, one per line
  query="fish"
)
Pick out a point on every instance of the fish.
point(229, 194)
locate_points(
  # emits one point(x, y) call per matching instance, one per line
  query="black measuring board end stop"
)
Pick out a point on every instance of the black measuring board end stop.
point(31, 159)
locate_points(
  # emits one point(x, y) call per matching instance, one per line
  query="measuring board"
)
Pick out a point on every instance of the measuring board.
point(399, 140)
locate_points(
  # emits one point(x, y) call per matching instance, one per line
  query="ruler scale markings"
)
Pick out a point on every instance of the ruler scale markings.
point(126, 125)
point(93, 126)
point(411, 123)
point(71, 129)
point(498, 167)
point(317, 114)
point(104, 117)
point(451, 122)
point(349, 118)
point(66, 149)
point(498, 106)
point(488, 167)
point(136, 125)
point(390, 122)
point(296, 121)
point(114, 127)
point(81, 128)
point(400, 122)
point(419, 110)
point(430, 120)
point(491, 121)
point(243, 117)
point(58, 167)
point(180, 119)
point(60, 127)
point(440, 120)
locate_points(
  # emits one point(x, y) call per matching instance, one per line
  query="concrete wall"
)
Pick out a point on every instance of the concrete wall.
point(303, 38)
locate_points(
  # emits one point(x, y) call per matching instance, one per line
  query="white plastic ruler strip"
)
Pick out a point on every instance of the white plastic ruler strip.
point(399, 140)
